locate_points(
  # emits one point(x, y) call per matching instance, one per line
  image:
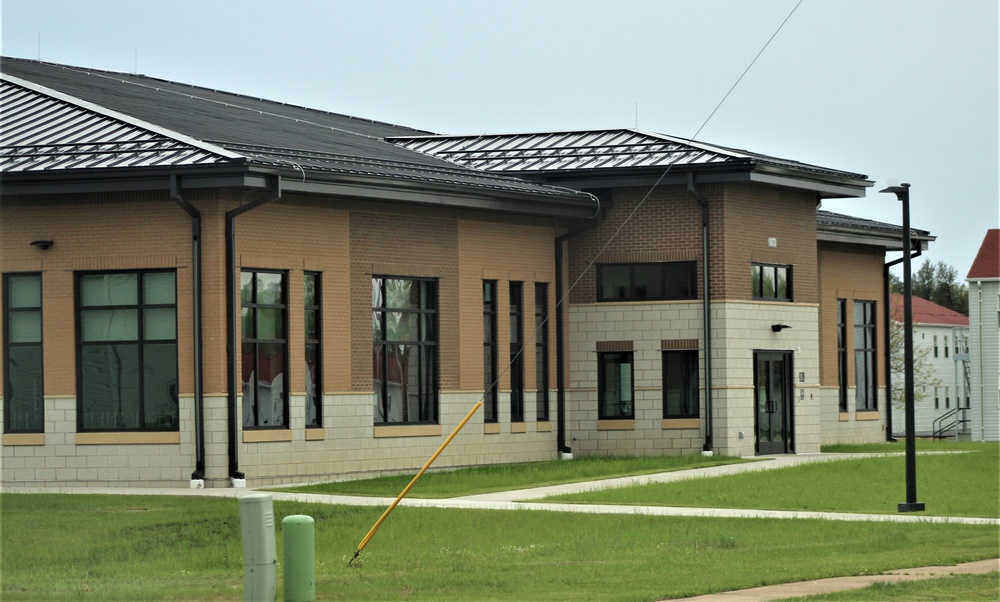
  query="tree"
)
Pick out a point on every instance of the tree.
point(923, 375)
point(939, 283)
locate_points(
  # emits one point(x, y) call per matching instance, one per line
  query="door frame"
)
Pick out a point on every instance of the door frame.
point(787, 409)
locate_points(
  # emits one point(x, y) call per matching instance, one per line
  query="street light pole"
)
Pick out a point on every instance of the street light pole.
point(902, 193)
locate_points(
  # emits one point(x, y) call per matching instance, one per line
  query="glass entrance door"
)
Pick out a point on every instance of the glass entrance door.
point(773, 401)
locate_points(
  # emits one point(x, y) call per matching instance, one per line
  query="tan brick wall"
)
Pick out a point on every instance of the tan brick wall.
point(752, 215)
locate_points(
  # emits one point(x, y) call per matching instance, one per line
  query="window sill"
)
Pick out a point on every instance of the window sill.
point(859, 416)
point(129, 438)
point(491, 428)
point(518, 427)
point(544, 427)
point(11, 439)
point(681, 423)
point(267, 436)
point(315, 434)
point(406, 430)
point(616, 425)
point(845, 416)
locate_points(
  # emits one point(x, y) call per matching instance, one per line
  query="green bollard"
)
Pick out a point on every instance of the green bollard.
point(299, 540)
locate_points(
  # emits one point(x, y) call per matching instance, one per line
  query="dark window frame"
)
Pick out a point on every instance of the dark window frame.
point(758, 282)
point(255, 306)
point(842, 354)
point(689, 359)
point(865, 356)
point(425, 343)
point(626, 406)
point(635, 290)
point(38, 399)
point(491, 372)
point(516, 368)
point(316, 342)
point(141, 343)
point(541, 351)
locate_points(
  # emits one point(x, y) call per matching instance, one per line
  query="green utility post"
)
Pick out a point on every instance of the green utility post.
point(299, 540)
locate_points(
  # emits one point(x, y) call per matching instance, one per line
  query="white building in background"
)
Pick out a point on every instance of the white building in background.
point(984, 339)
point(941, 407)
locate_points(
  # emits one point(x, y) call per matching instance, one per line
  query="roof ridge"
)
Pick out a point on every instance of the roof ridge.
point(117, 116)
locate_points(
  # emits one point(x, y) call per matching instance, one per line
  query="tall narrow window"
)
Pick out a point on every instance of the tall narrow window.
point(404, 338)
point(680, 384)
point(314, 357)
point(864, 355)
point(771, 282)
point(842, 353)
point(264, 349)
point(516, 352)
point(23, 410)
point(935, 346)
point(947, 397)
point(127, 352)
point(541, 351)
point(946, 346)
point(615, 395)
point(490, 350)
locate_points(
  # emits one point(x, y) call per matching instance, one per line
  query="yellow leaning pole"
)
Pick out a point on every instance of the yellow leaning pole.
point(402, 494)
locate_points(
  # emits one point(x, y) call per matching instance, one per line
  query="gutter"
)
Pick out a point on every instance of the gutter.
point(706, 309)
point(198, 476)
point(232, 344)
point(888, 352)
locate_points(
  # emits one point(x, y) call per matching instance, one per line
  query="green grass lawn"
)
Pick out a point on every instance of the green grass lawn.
point(486, 479)
point(954, 484)
point(58, 547)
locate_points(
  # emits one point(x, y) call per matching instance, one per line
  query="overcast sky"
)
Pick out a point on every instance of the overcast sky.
point(899, 90)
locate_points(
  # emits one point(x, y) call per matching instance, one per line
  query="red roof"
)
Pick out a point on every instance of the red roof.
point(927, 312)
point(987, 263)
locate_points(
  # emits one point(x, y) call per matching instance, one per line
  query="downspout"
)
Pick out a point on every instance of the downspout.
point(888, 352)
point(199, 403)
point(561, 446)
point(982, 366)
point(706, 309)
point(231, 343)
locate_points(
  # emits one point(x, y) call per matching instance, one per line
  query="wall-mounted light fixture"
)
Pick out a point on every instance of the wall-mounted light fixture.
point(779, 327)
point(42, 244)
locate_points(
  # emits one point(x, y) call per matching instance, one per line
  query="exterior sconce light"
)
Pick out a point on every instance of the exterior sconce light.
point(42, 244)
point(779, 327)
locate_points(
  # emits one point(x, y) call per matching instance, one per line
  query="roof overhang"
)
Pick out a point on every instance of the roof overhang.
point(248, 176)
point(885, 240)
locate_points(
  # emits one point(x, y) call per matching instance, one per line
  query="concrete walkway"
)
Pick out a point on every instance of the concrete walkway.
point(522, 499)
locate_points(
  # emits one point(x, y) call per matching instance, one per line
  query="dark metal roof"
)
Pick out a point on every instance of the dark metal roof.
point(602, 150)
point(60, 118)
point(836, 227)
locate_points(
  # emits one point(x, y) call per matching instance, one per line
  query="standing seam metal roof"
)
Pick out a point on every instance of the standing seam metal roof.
point(590, 150)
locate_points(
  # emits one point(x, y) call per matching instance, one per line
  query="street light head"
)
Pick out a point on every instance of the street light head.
point(902, 191)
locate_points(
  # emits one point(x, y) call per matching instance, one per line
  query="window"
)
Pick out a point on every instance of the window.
point(127, 351)
point(664, 281)
point(264, 349)
point(542, 351)
point(680, 384)
point(946, 346)
point(314, 356)
point(516, 352)
point(937, 400)
point(771, 282)
point(404, 338)
point(935, 346)
point(614, 385)
point(842, 353)
point(490, 350)
point(947, 397)
point(22, 354)
point(864, 355)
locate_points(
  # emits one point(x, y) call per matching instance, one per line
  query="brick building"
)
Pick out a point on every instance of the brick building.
point(202, 286)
